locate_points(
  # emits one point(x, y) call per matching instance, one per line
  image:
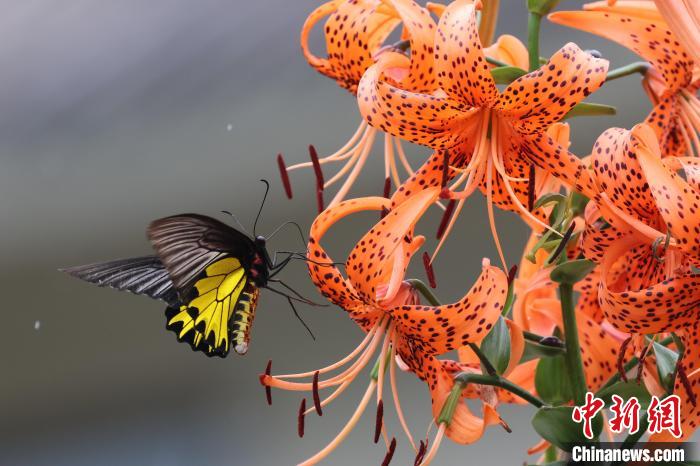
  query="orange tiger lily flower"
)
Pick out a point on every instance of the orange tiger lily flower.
point(492, 138)
point(646, 286)
point(356, 34)
point(385, 307)
point(670, 83)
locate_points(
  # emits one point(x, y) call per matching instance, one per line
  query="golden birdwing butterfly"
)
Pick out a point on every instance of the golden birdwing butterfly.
point(207, 272)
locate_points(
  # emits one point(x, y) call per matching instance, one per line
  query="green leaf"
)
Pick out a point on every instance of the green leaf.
point(548, 199)
point(590, 109)
point(666, 360)
point(496, 346)
point(551, 382)
point(507, 74)
point(556, 426)
point(625, 390)
point(572, 271)
point(578, 203)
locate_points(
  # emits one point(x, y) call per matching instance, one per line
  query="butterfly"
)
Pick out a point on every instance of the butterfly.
point(208, 273)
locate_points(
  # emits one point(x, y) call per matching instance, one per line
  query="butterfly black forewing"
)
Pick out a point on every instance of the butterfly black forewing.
point(188, 243)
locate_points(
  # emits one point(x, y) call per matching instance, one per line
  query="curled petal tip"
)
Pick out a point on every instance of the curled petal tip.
point(485, 262)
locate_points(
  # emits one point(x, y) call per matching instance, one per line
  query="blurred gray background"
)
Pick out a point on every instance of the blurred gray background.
point(113, 113)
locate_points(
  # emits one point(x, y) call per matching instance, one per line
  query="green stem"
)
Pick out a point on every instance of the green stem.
point(463, 379)
point(423, 289)
point(640, 67)
point(538, 338)
point(374, 375)
point(466, 378)
point(533, 39)
point(484, 360)
point(573, 350)
point(448, 409)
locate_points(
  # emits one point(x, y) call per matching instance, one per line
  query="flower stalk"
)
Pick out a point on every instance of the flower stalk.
point(574, 362)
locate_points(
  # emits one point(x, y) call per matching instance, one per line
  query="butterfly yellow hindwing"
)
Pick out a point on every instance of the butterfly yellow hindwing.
point(204, 319)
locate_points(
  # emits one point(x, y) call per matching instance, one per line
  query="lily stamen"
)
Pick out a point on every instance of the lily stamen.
point(435, 446)
point(352, 422)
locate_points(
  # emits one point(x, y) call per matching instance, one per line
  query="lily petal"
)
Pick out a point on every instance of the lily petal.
point(440, 329)
point(460, 65)
point(544, 96)
point(380, 258)
point(649, 38)
point(328, 279)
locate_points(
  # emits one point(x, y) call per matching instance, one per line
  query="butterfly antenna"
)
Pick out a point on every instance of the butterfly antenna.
point(235, 219)
point(302, 257)
point(262, 204)
point(301, 234)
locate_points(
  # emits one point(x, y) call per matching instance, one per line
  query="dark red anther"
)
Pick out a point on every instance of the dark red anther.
point(511, 274)
point(319, 200)
point(317, 167)
point(421, 453)
point(621, 359)
point(284, 174)
point(562, 244)
point(429, 270)
point(301, 418)
point(505, 426)
point(446, 218)
point(445, 193)
point(445, 169)
point(387, 187)
point(390, 453)
point(317, 397)
point(531, 189)
point(379, 422)
point(683, 376)
point(268, 389)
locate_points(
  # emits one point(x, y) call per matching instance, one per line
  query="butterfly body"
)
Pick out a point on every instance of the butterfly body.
point(208, 273)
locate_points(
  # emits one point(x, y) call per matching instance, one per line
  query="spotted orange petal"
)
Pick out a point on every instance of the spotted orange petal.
point(649, 38)
point(354, 31)
point(598, 351)
point(678, 202)
point(619, 175)
point(462, 70)
point(440, 329)
point(555, 158)
point(327, 278)
point(380, 258)
point(543, 97)
point(646, 304)
point(419, 28)
point(428, 119)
